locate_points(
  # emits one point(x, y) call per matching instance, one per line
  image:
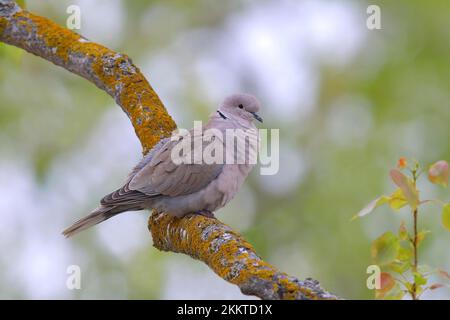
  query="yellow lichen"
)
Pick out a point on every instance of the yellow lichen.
point(230, 262)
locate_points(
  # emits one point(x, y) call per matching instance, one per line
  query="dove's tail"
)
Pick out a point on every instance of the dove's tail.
point(100, 214)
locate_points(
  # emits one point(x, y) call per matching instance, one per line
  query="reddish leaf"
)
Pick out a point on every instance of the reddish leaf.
point(436, 286)
point(407, 186)
point(387, 282)
point(444, 274)
point(438, 173)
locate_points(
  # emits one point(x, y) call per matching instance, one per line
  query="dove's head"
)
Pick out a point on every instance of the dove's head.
point(244, 106)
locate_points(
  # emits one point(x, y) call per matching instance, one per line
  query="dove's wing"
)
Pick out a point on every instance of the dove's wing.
point(126, 196)
point(161, 176)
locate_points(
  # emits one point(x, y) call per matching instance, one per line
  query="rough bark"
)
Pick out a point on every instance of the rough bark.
point(202, 238)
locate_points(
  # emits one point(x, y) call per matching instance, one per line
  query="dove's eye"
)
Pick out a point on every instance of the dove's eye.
point(241, 106)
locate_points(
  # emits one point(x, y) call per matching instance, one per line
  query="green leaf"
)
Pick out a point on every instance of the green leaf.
point(407, 186)
point(419, 290)
point(446, 216)
point(404, 254)
point(397, 200)
point(409, 286)
point(421, 235)
point(384, 249)
point(400, 266)
point(419, 279)
point(371, 206)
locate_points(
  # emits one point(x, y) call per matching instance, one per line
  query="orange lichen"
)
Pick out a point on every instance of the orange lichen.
point(227, 254)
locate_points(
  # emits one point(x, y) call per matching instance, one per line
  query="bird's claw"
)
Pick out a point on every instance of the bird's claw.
point(206, 213)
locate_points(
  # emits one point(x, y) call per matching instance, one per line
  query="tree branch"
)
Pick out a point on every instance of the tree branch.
point(229, 256)
point(205, 239)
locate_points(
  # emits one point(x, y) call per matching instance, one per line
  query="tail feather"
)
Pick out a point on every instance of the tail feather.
point(100, 214)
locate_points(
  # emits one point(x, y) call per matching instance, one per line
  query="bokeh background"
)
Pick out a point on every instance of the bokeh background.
point(348, 102)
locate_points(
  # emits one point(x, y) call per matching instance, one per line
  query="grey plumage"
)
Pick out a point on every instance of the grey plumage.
point(178, 189)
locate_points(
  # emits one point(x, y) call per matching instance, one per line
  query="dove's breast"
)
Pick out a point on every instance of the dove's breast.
point(215, 196)
point(229, 182)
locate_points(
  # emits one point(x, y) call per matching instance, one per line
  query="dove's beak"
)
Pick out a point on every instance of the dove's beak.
point(257, 117)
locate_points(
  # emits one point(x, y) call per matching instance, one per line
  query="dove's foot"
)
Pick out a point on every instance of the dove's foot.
point(205, 213)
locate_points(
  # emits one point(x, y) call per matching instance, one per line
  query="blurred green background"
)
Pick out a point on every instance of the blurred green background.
point(348, 102)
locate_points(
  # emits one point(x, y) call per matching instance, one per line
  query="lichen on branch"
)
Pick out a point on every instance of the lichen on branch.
point(229, 256)
point(202, 238)
point(110, 71)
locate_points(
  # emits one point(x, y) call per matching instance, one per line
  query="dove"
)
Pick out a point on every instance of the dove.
point(159, 183)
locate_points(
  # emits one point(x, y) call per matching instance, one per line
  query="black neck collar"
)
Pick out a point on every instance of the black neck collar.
point(221, 115)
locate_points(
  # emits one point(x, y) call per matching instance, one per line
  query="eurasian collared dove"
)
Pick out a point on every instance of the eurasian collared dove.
point(157, 182)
